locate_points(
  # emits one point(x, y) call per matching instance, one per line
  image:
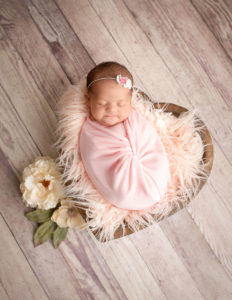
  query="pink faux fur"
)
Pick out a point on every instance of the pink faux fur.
point(182, 143)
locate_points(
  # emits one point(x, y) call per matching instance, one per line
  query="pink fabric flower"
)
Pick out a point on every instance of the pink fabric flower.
point(124, 81)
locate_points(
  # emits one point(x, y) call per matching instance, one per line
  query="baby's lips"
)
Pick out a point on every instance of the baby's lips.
point(110, 116)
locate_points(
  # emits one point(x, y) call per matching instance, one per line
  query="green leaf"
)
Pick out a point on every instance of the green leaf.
point(59, 235)
point(40, 215)
point(43, 232)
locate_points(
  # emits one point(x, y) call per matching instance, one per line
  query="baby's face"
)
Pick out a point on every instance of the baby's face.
point(109, 102)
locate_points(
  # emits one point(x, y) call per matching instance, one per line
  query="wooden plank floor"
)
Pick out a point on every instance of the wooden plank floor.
point(178, 51)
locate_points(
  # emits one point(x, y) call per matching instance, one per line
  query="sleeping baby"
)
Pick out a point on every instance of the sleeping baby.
point(121, 151)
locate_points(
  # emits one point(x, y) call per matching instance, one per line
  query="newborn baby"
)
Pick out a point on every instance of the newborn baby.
point(121, 151)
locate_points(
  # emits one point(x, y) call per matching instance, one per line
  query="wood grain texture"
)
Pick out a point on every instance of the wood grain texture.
point(218, 16)
point(33, 50)
point(3, 293)
point(197, 255)
point(26, 98)
point(64, 43)
point(179, 52)
point(25, 285)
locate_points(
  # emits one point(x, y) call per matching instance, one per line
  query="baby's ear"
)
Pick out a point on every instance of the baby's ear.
point(87, 95)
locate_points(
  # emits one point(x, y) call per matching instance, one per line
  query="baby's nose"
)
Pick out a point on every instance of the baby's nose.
point(111, 107)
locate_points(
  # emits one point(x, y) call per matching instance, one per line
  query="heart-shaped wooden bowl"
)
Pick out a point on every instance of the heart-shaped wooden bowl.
point(176, 110)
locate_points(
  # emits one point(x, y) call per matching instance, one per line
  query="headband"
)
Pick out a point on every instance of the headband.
point(123, 81)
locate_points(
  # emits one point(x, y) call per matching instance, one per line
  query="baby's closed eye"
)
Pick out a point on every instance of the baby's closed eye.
point(120, 103)
point(101, 104)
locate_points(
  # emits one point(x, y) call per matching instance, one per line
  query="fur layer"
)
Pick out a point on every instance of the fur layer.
point(182, 143)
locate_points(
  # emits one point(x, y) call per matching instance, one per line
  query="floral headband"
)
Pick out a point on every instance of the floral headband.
point(123, 81)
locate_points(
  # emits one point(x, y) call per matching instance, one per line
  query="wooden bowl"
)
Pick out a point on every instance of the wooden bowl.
point(176, 110)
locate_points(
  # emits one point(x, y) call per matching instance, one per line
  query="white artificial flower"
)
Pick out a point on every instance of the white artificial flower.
point(68, 215)
point(41, 184)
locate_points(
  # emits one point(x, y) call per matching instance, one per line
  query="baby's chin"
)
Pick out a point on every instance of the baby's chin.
point(111, 121)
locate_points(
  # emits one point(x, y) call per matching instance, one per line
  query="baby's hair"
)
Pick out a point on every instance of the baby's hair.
point(107, 69)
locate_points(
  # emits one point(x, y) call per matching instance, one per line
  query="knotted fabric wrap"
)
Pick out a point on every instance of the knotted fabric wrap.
point(126, 162)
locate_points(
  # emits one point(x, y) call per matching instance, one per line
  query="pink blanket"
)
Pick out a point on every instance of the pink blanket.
point(126, 162)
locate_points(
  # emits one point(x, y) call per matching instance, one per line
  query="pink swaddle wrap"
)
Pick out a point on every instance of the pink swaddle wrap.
point(126, 162)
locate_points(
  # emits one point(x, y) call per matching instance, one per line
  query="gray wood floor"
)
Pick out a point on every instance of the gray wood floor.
point(179, 51)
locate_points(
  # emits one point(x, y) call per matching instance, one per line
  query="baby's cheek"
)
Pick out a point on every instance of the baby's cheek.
point(96, 109)
point(98, 112)
point(127, 110)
